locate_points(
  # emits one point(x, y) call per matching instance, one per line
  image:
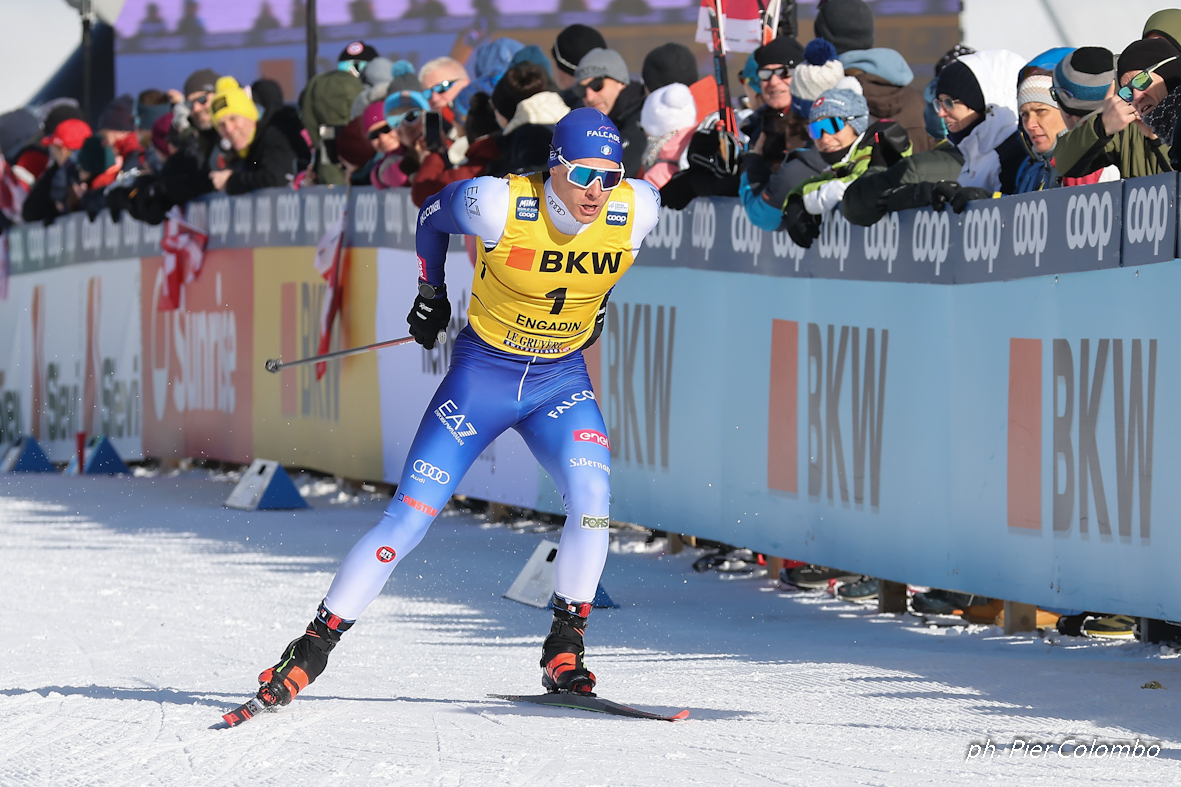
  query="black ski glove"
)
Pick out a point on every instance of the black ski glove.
point(943, 193)
point(802, 226)
point(966, 195)
point(910, 195)
point(429, 318)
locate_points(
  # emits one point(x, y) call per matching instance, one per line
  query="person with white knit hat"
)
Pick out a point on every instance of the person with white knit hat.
point(820, 71)
point(841, 132)
point(669, 118)
point(1041, 121)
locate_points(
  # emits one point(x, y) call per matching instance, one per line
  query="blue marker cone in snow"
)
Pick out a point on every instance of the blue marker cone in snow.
point(101, 458)
point(26, 456)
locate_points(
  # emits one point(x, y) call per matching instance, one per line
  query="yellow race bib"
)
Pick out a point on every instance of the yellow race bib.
point(538, 291)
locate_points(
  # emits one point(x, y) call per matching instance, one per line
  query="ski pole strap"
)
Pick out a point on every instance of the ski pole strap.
point(333, 622)
point(559, 604)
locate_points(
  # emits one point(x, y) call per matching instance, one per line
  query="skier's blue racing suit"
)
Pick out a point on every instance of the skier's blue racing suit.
point(512, 368)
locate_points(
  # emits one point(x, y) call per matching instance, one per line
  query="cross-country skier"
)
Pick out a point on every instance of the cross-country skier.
point(550, 250)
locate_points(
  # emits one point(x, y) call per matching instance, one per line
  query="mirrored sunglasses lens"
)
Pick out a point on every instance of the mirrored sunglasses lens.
point(1126, 93)
point(1141, 81)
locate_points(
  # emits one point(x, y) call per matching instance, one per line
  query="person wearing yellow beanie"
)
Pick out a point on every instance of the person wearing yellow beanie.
point(236, 117)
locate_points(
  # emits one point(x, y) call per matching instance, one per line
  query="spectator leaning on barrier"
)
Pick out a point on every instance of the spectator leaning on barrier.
point(326, 104)
point(883, 73)
point(977, 99)
point(268, 151)
point(850, 145)
point(1116, 133)
point(1082, 82)
point(67, 138)
point(569, 48)
point(669, 118)
point(1041, 122)
point(605, 85)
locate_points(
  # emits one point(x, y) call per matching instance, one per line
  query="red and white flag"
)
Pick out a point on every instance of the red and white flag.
point(330, 254)
point(741, 23)
point(184, 254)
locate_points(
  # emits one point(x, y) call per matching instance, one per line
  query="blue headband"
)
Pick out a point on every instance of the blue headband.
point(586, 133)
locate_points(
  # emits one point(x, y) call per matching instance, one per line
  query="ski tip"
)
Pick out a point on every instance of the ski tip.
point(680, 716)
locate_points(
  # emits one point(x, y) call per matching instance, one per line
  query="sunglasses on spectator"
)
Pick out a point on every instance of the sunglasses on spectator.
point(765, 74)
point(443, 86)
point(405, 117)
point(583, 176)
point(356, 66)
point(384, 128)
point(1141, 81)
point(595, 84)
point(946, 104)
point(198, 101)
point(819, 128)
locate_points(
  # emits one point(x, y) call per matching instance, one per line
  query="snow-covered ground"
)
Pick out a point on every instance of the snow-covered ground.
point(138, 610)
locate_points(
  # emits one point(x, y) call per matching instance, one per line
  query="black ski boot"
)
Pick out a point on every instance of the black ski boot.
point(303, 659)
point(561, 656)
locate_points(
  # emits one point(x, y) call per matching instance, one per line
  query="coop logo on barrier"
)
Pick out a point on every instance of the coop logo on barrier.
point(287, 214)
point(311, 215)
point(262, 217)
point(881, 241)
point(930, 238)
point(783, 246)
point(1147, 216)
point(745, 237)
point(705, 225)
point(834, 238)
point(668, 232)
point(392, 213)
point(639, 346)
point(1079, 414)
point(219, 218)
point(1089, 221)
point(982, 235)
point(1031, 228)
point(365, 216)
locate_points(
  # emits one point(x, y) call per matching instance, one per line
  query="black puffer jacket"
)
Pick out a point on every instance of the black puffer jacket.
point(626, 117)
point(277, 152)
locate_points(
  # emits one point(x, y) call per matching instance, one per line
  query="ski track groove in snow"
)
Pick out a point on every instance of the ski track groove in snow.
point(146, 610)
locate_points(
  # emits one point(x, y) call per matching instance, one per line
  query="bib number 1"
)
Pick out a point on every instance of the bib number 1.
point(559, 296)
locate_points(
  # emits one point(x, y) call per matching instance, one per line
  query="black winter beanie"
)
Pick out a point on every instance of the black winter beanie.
point(784, 50)
point(846, 24)
point(667, 64)
point(958, 81)
point(573, 43)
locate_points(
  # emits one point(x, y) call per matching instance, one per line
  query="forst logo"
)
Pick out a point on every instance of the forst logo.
point(592, 436)
point(1102, 426)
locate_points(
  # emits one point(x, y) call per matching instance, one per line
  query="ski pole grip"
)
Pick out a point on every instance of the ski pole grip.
point(442, 337)
point(272, 365)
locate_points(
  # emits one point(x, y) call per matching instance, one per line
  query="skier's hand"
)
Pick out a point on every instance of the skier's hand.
point(428, 319)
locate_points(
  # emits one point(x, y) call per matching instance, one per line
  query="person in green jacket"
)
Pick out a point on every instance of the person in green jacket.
point(1125, 131)
point(844, 138)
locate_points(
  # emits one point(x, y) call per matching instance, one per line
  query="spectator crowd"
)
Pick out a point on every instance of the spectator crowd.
point(836, 124)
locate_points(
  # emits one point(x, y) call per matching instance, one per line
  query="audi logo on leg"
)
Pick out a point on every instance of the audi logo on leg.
point(1147, 216)
point(1088, 221)
point(431, 472)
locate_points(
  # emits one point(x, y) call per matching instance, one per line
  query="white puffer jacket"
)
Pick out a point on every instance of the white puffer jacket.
point(996, 71)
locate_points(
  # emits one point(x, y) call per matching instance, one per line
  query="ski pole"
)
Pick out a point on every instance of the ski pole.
point(274, 364)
